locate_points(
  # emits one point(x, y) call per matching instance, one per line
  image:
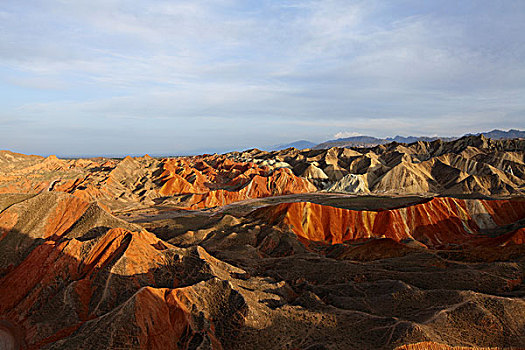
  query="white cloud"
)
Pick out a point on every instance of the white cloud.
point(344, 134)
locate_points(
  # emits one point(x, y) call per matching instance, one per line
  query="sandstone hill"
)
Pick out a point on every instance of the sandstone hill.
point(192, 182)
point(470, 165)
point(74, 276)
point(399, 246)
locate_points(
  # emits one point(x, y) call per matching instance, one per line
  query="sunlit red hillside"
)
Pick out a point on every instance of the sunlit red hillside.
point(399, 246)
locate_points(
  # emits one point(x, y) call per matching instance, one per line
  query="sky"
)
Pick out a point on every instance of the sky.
point(115, 77)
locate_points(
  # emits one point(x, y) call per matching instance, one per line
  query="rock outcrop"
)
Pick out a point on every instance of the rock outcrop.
point(74, 276)
point(439, 222)
point(312, 249)
point(470, 165)
point(191, 183)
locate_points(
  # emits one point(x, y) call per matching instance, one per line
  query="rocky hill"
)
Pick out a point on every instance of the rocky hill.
point(72, 275)
point(470, 165)
point(397, 246)
point(189, 182)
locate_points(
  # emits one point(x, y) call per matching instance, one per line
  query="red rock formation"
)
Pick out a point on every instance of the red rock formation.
point(446, 168)
point(84, 281)
point(176, 184)
point(515, 237)
point(438, 222)
point(81, 265)
point(281, 182)
point(224, 181)
point(72, 274)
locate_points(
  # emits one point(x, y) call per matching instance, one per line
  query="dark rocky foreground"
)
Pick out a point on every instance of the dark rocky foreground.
point(244, 276)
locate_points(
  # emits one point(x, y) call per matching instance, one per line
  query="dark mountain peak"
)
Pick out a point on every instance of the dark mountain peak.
point(371, 141)
point(299, 144)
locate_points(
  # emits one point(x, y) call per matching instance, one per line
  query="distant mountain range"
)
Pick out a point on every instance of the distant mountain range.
point(370, 141)
point(501, 134)
point(301, 144)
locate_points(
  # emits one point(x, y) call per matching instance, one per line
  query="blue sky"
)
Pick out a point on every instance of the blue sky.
point(114, 77)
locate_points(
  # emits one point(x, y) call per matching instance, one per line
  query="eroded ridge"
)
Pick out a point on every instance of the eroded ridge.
point(76, 276)
point(440, 222)
point(311, 249)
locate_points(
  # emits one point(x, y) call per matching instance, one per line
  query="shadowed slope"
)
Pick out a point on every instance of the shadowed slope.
point(76, 284)
point(65, 285)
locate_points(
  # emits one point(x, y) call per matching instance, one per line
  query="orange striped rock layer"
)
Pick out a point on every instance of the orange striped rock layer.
point(438, 222)
point(224, 181)
point(57, 273)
